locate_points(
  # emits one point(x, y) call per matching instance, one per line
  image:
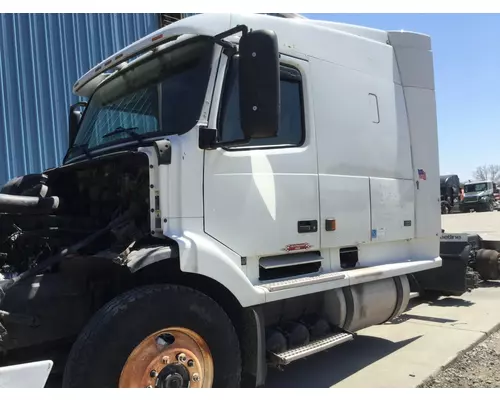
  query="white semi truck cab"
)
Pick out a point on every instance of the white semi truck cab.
point(239, 192)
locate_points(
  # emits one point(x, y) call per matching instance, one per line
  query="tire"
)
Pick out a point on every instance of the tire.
point(103, 347)
point(491, 207)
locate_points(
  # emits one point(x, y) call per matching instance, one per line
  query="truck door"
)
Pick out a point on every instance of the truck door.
point(262, 196)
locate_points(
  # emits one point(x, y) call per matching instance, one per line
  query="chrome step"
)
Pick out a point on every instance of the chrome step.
point(308, 280)
point(317, 346)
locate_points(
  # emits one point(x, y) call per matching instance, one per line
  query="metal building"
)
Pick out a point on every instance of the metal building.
point(41, 56)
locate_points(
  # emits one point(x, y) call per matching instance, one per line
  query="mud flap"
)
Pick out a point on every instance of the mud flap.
point(253, 348)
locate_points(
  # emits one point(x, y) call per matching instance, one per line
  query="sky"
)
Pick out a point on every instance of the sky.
point(466, 50)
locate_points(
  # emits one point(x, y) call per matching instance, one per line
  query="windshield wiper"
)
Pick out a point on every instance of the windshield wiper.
point(129, 131)
point(84, 147)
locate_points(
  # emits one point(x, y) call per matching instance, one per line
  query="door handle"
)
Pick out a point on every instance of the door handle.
point(307, 226)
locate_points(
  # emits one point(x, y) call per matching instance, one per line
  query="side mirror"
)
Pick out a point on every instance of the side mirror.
point(259, 84)
point(75, 116)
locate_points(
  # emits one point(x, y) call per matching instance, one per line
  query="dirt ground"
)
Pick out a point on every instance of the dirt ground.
point(477, 368)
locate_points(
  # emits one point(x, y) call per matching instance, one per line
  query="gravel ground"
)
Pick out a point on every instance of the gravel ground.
point(477, 368)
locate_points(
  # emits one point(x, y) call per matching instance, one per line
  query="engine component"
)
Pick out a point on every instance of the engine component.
point(10, 203)
point(41, 267)
point(3, 333)
point(19, 319)
point(42, 214)
point(27, 185)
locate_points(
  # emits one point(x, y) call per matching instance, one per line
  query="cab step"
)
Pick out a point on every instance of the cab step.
point(304, 281)
point(314, 347)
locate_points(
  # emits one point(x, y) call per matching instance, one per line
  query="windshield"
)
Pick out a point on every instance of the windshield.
point(475, 188)
point(160, 96)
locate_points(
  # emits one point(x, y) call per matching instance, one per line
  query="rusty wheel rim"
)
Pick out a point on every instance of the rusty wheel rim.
point(169, 358)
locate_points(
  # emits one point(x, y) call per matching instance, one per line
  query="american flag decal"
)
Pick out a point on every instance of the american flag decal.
point(422, 175)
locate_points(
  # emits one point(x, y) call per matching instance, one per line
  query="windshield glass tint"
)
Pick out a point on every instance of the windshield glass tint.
point(478, 187)
point(161, 96)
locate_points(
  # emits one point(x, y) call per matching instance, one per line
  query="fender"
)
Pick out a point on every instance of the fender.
point(200, 254)
point(144, 256)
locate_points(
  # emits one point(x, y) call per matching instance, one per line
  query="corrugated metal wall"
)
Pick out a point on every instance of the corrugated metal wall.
point(41, 56)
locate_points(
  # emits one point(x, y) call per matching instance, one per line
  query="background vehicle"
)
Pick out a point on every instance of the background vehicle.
point(450, 192)
point(479, 196)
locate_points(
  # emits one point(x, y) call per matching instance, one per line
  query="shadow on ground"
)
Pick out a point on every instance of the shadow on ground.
point(490, 284)
point(441, 302)
point(451, 302)
point(326, 369)
point(409, 317)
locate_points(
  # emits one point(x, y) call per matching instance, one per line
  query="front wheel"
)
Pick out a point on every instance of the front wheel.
point(162, 336)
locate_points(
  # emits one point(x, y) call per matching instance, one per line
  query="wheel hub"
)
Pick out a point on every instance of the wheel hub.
point(170, 358)
point(173, 376)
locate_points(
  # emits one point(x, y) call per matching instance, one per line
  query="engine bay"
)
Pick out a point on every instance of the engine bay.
point(40, 214)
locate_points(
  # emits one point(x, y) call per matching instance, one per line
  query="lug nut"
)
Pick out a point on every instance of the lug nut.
point(165, 360)
point(190, 363)
point(196, 377)
point(149, 387)
point(153, 374)
point(181, 358)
